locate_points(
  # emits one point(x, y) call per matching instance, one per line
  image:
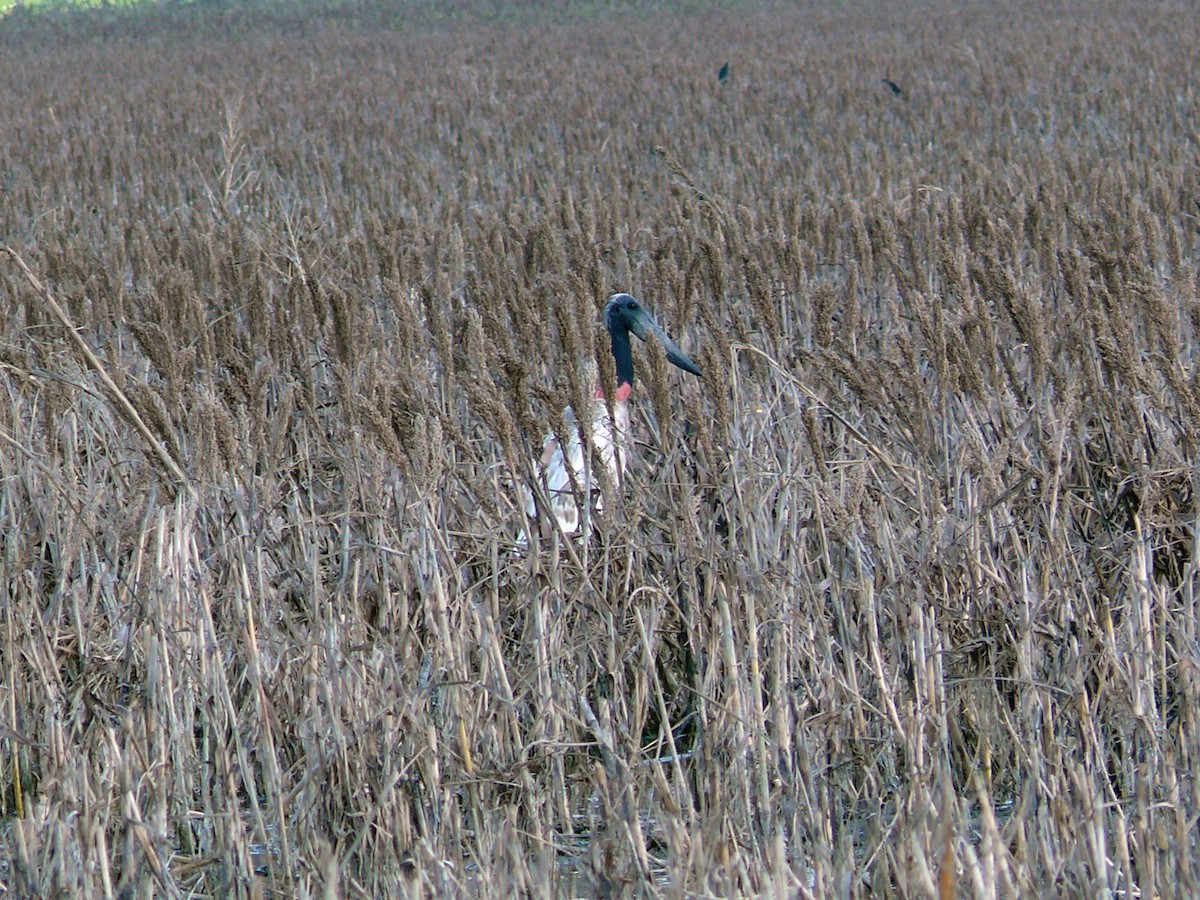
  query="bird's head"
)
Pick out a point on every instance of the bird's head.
point(624, 314)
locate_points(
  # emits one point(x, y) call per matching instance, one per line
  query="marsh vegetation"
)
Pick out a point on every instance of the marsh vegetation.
point(899, 599)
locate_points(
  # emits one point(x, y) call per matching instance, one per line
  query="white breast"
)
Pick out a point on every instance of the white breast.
point(611, 450)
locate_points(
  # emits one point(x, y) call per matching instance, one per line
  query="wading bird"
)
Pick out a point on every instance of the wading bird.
point(623, 315)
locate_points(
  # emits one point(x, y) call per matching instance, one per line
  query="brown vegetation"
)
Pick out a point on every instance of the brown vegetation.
point(899, 600)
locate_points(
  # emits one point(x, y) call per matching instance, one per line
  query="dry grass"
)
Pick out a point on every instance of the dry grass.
point(900, 600)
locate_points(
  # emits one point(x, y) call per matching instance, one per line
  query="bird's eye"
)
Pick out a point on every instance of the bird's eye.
point(632, 304)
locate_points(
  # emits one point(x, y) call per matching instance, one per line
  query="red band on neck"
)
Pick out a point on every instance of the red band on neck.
point(624, 390)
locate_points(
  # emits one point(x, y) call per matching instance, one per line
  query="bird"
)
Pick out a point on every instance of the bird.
point(623, 315)
point(724, 73)
point(895, 87)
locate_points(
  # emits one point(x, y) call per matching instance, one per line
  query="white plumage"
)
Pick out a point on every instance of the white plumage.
point(610, 435)
point(610, 440)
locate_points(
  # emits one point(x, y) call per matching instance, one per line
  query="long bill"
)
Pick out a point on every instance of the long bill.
point(644, 325)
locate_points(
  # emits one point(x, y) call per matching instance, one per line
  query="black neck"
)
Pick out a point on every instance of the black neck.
point(623, 355)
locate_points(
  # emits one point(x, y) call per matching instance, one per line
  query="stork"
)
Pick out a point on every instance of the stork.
point(623, 315)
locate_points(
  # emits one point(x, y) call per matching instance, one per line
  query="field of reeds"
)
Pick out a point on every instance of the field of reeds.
point(900, 599)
